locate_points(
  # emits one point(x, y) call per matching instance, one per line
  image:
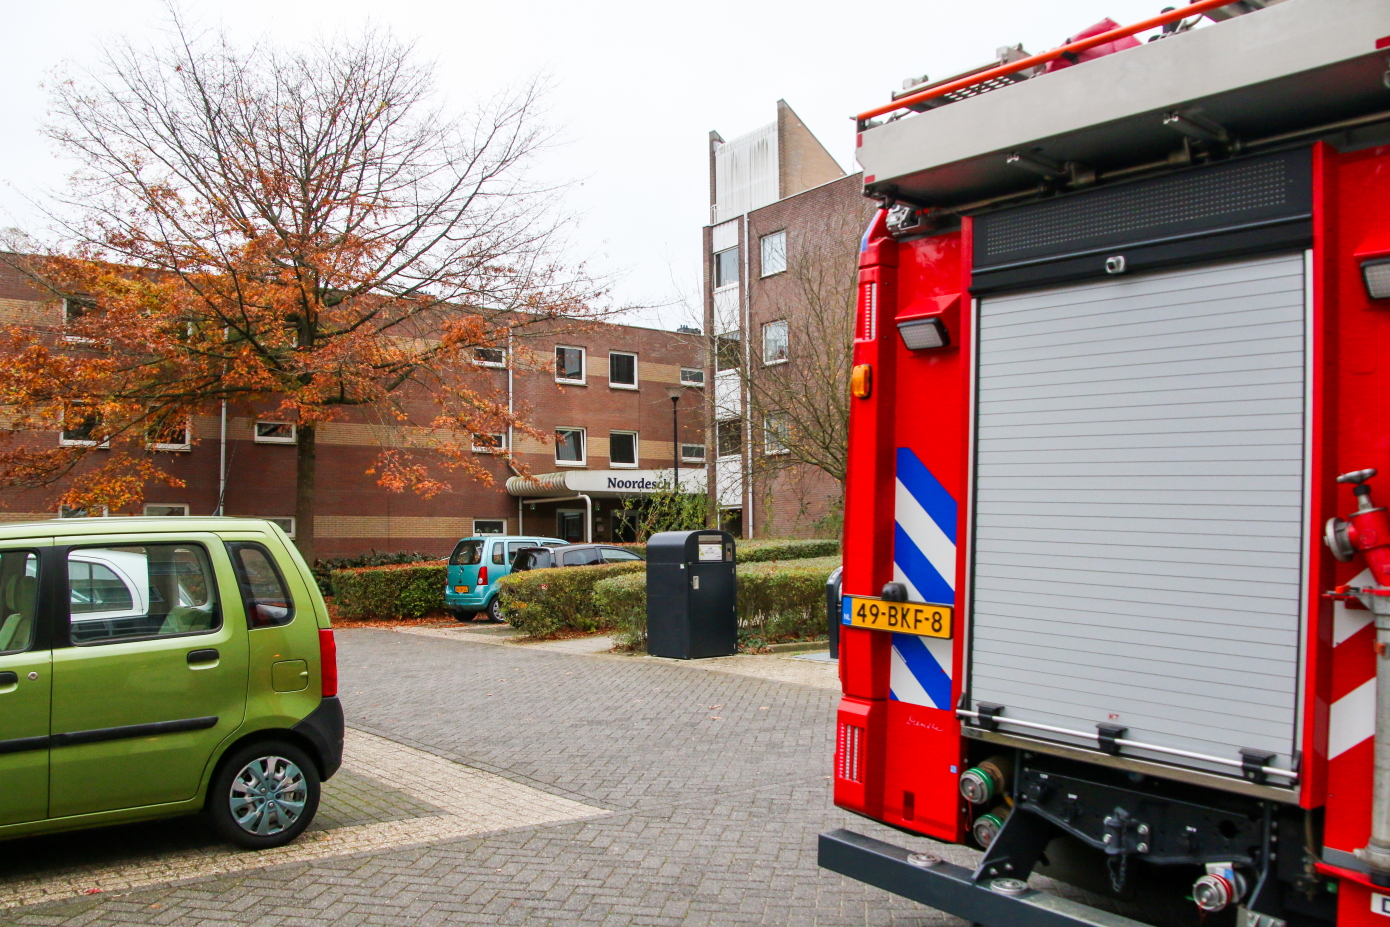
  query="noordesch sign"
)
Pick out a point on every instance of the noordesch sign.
point(606, 483)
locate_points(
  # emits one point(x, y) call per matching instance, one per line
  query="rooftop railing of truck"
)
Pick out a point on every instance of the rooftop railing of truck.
point(989, 78)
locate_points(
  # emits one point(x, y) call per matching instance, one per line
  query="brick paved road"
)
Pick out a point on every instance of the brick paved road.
point(715, 786)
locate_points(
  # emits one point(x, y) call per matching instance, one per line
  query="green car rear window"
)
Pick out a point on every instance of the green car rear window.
point(263, 593)
point(467, 553)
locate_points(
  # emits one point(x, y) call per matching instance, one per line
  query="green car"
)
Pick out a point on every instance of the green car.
point(153, 667)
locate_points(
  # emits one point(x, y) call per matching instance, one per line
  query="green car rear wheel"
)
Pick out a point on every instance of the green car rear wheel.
point(264, 795)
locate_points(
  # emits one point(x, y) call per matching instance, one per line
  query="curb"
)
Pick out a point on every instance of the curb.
point(798, 647)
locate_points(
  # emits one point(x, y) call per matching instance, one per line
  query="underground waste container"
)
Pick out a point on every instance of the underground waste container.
point(692, 605)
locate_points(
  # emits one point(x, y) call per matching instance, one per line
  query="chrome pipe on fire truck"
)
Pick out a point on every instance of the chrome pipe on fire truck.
point(1367, 531)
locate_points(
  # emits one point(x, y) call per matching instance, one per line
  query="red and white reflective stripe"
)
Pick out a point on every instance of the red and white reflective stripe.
point(1352, 718)
point(868, 313)
point(851, 749)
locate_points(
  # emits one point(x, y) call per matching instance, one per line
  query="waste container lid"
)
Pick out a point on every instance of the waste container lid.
point(690, 547)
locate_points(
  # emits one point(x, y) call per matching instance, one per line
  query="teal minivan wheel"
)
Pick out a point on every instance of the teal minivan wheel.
point(264, 795)
point(494, 610)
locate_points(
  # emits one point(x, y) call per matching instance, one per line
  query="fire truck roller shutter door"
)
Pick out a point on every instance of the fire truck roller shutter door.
point(1138, 507)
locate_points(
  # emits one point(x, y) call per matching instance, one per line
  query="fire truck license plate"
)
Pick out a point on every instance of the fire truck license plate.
point(902, 617)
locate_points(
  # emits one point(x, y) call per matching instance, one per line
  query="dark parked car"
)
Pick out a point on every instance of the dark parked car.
point(540, 558)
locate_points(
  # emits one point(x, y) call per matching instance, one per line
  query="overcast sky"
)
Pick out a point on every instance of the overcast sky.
point(637, 88)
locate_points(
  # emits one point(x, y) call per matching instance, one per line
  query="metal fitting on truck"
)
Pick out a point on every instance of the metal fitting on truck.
point(981, 784)
point(1221, 887)
point(987, 826)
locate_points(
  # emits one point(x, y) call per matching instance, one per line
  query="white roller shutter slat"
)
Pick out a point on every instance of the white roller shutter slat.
point(1138, 524)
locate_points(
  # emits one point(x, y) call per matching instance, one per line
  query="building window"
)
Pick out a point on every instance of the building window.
point(489, 443)
point(162, 509)
point(730, 437)
point(74, 309)
point(94, 511)
point(286, 524)
point(775, 342)
point(569, 365)
point(726, 268)
point(622, 448)
point(490, 357)
point(776, 431)
point(728, 351)
point(773, 253)
point(83, 433)
point(692, 376)
point(275, 433)
point(170, 437)
point(622, 370)
point(569, 447)
point(693, 453)
point(489, 526)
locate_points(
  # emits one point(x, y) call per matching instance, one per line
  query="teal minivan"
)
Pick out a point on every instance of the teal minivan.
point(476, 565)
point(154, 667)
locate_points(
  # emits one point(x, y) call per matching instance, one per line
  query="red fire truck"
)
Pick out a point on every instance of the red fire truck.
point(1114, 575)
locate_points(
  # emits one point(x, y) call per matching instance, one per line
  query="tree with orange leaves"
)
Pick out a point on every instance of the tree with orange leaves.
point(300, 227)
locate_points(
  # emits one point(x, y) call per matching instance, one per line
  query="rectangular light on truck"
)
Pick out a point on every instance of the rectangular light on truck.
point(1376, 273)
point(901, 617)
point(923, 334)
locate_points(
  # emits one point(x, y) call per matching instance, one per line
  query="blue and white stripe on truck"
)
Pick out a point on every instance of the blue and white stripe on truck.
point(924, 560)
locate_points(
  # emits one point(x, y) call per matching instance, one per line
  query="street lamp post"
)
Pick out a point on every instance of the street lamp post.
point(675, 393)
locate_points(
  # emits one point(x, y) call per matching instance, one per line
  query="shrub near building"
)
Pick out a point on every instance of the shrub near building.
point(540, 602)
point(775, 595)
point(777, 600)
point(762, 550)
point(389, 592)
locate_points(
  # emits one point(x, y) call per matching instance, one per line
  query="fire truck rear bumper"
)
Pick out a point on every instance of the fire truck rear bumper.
point(952, 889)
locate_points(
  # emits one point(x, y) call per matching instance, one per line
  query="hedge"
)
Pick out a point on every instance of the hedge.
point(405, 591)
point(324, 567)
point(763, 550)
point(541, 602)
point(622, 601)
point(410, 590)
point(777, 600)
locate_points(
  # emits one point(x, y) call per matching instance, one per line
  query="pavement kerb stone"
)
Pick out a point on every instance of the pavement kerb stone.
point(798, 647)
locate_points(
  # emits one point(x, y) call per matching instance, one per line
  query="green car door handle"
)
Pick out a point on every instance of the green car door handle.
point(203, 656)
point(9, 679)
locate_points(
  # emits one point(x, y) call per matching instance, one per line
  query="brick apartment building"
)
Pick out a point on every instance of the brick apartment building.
point(601, 390)
point(780, 256)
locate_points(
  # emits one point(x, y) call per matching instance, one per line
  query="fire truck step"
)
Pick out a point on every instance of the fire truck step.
point(950, 888)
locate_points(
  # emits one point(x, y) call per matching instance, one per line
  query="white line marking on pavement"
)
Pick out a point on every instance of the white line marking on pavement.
point(496, 634)
point(776, 667)
point(474, 802)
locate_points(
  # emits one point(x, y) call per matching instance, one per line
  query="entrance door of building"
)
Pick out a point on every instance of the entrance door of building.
point(569, 525)
point(625, 523)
